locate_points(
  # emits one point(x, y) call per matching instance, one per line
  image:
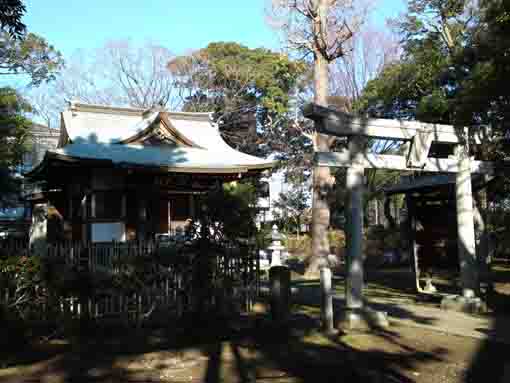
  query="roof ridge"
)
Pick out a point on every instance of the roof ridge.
point(198, 116)
point(76, 106)
point(85, 107)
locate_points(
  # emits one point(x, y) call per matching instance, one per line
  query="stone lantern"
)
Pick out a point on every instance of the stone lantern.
point(279, 281)
point(276, 247)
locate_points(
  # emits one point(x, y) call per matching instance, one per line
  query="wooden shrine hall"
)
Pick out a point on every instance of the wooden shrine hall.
point(126, 174)
point(431, 215)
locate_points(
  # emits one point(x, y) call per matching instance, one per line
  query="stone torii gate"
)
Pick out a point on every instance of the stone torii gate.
point(418, 138)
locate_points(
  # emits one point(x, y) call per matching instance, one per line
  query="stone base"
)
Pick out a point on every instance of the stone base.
point(362, 319)
point(463, 304)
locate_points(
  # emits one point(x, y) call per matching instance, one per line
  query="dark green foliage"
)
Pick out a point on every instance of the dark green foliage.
point(292, 207)
point(11, 12)
point(419, 86)
point(23, 277)
point(455, 67)
point(484, 91)
point(30, 55)
point(14, 141)
point(230, 211)
point(245, 88)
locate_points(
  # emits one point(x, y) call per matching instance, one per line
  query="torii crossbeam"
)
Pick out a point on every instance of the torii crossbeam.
point(418, 138)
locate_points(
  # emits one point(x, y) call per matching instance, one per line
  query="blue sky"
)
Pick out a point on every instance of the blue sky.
point(178, 25)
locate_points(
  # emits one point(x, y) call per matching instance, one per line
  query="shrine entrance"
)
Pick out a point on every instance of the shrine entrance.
point(416, 140)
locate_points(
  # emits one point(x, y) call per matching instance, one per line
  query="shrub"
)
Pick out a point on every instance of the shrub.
point(21, 279)
point(295, 245)
point(336, 239)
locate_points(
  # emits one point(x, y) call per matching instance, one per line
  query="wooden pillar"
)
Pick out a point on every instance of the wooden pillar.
point(465, 224)
point(411, 228)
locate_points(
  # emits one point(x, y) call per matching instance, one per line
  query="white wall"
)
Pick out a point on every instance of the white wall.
point(107, 232)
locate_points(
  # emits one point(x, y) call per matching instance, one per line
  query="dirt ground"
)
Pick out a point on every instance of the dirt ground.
point(251, 349)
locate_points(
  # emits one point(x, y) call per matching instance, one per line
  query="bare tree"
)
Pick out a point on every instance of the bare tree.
point(84, 79)
point(119, 73)
point(320, 28)
point(45, 106)
point(193, 80)
point(140, 73)
point(369, 51)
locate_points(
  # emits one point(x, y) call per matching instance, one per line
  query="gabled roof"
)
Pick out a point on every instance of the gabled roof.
point(108, 125)
point(188, 142)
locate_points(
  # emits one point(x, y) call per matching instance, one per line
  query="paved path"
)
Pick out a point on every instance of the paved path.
point(449, 322)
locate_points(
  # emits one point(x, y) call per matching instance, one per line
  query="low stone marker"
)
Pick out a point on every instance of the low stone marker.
point(279, 279)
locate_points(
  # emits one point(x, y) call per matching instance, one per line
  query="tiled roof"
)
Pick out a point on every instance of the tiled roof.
point(99, 132)
point(178, 158)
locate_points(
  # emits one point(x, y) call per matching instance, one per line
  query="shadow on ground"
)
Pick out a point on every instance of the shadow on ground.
point(309, 296)
point(251, 348)
point(247, 349)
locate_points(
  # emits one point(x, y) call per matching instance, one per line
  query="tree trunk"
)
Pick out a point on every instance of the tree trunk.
point(321, 181)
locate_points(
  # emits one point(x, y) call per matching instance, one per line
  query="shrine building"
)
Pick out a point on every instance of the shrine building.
point(122, 174)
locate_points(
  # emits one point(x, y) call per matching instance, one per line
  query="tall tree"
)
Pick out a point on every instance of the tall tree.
point(29, 55)
point(22, 53)
point(138, 73)
point(319, 28)
point(14, 133)
point(246, 89)
point(119, 73)
point(367, 54)
point(482, 95)
point(291, 206)
point(423, 83)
